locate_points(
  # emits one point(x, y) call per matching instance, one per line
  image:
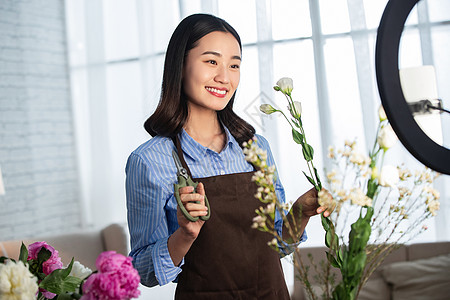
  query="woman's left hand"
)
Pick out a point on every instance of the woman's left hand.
point(309, 202)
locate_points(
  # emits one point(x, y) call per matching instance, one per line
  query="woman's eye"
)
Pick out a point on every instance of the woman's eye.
point(213, 62)
point(235, 66)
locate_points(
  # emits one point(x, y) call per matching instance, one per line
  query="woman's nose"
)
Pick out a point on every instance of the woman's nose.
point(222, 75)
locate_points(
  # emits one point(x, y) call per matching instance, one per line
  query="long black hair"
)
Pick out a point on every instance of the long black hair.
point(172, 110)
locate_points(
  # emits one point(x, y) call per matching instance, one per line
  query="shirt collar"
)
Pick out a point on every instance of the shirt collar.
point(197, 151)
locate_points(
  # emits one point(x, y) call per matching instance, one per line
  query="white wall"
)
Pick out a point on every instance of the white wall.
point(37, 146)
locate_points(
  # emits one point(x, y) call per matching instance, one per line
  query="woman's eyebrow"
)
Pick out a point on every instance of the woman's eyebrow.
point(220, 55)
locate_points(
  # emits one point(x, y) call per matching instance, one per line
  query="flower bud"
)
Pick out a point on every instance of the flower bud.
point(387, 137)
point(381, 114)
point(296, 109)
point(267, 109)
point(285, 85)
point(374, 172)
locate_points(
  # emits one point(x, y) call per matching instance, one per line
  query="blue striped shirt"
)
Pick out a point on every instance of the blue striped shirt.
point(152, 207)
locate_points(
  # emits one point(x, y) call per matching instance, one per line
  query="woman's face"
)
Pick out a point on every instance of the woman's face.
point(211, 72)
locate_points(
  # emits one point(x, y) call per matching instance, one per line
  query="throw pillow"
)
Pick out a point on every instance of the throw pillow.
point(420, 279)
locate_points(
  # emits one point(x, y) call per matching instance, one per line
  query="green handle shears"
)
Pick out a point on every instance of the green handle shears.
point(185, 180)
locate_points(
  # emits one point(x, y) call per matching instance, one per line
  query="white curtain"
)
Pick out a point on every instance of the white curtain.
point(116, 53)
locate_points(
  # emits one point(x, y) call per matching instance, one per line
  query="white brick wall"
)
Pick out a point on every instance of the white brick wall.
point(37, 146)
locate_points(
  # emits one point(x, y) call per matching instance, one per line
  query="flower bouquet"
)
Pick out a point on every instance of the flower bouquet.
point(384, 208)
point(39, 274)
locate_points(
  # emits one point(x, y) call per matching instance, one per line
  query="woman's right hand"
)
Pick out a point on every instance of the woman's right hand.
point(187, 197)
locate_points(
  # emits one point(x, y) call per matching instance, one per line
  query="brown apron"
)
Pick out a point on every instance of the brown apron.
point(229, 259)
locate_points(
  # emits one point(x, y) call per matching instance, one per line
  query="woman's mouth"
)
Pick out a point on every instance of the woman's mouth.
point(218, 92)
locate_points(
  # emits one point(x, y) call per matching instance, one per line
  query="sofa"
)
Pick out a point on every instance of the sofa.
point(84, 246)
point(416, 271)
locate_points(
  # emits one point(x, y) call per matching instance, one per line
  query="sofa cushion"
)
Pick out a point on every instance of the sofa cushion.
point(115, 238)
point(375, 289)
point(420, 279)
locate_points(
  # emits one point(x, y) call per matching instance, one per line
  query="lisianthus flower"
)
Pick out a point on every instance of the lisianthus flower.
point(296, 109)
point(389, 176)
point(285, 85)
point(16, 281)
point(381, 114)
point(267, 109)
point(387, 137)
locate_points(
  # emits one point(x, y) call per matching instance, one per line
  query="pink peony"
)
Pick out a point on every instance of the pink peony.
point(116, 279)
point(51, 264)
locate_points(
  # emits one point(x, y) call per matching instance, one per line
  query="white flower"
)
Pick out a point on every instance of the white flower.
point(389, 176)
point(273, 242)
point(381, 114)
point(326, 200)
point(358, 158)
point(433, 207)
point(80, 271)
point(259, 221)
point(296, 109)
point(285, 85)
point(358, 197)
point(267, 109)
point(331, 153)
point(387, 138)
point(270, 209)
point(16, 281)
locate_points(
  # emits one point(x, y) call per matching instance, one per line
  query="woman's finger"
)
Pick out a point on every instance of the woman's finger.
point(186, 190)
point(192, 198)
point(201, 189)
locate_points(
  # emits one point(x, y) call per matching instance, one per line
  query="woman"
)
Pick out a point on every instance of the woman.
point(221, 258)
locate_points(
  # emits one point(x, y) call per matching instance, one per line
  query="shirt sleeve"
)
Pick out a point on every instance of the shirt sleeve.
point(147, 222)
point(285, 248)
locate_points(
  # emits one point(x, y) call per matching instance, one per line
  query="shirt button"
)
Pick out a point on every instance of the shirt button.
point(222, 172)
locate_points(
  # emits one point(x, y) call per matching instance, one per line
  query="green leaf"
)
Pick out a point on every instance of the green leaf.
point(332, 260)
point(297, 136)
point(331, 240)
point(325, 222)
point(59, 281)
point(317, 178)
point(372, 187)
point(65, 296)
point(23, 256)
point(43, 255)
point(310, 179)
point(308, 152)
point(295, 122)
point(340, 255)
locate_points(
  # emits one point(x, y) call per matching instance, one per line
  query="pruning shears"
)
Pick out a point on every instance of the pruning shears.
point(185, 180)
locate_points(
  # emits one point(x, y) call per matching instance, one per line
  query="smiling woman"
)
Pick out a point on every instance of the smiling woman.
point(195, 123)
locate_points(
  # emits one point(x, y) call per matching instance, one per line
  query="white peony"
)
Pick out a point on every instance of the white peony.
point(285, 85)
point(16, 281)
point(389, 176)
point(80, 271)
point(387, 137)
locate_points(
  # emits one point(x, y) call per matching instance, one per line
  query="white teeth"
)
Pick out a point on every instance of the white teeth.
point(221, 92)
